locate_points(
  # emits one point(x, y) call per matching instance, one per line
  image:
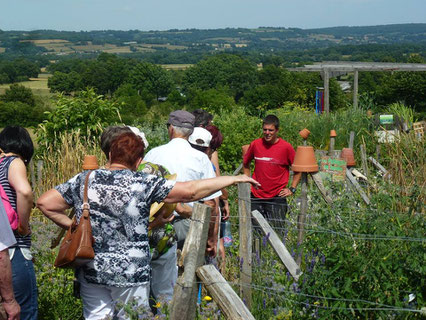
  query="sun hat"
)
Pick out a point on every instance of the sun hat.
point(159, 171)
point(182, 118)
point(140, 134)
point(200, 137)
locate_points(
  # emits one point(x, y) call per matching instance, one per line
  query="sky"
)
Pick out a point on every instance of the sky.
point(76, 15)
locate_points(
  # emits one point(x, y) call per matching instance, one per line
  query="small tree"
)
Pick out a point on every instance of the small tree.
point(87, 112)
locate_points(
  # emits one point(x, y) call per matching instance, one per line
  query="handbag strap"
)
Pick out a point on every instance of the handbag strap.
point(86, 206)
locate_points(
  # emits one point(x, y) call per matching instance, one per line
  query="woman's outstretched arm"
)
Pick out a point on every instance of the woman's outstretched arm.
point(194, 190)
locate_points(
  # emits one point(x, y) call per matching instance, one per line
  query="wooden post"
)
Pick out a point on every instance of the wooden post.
point(302, 214)
point(380, 167)
point(351, 140)
point(257, 246)
point(331, 148)
point(186, 289)
point(244, 211)
point(378, 152)
point(355, 98)
point(237, 171)
point(277, 245)
point(318, 182)
point(364, 159)
point(355, 183)
point(326, 79)
point(226, 298)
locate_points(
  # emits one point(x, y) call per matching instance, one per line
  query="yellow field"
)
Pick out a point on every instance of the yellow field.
point(176, 66)
point(37, 85)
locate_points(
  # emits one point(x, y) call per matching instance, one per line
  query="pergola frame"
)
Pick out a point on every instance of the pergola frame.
point(335, 68)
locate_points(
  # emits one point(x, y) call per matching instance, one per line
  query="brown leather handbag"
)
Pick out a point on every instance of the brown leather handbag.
point(76, 248)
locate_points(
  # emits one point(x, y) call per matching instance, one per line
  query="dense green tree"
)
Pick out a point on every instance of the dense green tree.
point(65, 82)
point(214, 101)
point(221, 71)
point(151, 79)
point(20, 114)
point(131, 105)
point(18, 93)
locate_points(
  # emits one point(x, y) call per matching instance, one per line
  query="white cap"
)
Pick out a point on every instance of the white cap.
point(200, 137)
point(140, 134)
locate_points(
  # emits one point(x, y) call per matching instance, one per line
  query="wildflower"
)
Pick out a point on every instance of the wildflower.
point(207, 298)
point(158, 305)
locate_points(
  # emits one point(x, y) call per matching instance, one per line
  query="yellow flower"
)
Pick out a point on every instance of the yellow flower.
point(157, 305)
point(207, 298)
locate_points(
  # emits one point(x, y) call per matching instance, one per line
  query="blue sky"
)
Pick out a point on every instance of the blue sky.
point(78, 15)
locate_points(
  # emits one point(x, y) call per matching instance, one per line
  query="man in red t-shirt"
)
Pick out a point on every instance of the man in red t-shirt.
point(273, 157)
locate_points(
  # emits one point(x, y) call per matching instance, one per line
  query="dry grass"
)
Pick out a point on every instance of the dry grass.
point(2, 50)
point(176, 66)
point(63, 160)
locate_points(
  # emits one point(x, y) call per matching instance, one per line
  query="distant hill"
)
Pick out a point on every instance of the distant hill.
point(264, 38)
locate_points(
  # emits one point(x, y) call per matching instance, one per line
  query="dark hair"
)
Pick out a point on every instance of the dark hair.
point(17, 140)
point(199, 148)
point(272, 119)
point(109, 135)
point(202, 118)
point(217, 137)
point(126, 149)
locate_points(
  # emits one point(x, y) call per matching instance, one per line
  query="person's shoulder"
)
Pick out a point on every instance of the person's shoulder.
point(284, 143)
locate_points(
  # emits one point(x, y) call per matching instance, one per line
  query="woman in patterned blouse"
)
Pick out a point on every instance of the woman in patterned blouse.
point(120, 199)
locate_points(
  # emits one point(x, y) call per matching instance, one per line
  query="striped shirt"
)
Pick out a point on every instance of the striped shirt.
point(22, 242)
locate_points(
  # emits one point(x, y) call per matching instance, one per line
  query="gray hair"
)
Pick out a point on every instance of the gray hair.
point(185, 132)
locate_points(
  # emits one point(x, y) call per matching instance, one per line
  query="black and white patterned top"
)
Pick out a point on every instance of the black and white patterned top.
point(119, 210)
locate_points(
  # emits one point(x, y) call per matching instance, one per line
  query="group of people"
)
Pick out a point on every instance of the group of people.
point(135, 251)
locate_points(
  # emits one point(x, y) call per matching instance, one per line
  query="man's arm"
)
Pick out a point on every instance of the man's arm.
point(6, 289)
point(285, 192)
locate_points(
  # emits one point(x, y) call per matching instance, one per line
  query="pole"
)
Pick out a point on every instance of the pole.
point(302, 214)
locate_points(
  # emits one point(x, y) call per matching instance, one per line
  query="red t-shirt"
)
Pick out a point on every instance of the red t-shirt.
point(272, 164)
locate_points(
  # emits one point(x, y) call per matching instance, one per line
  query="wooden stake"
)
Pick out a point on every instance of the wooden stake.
point(277, 245)
point(318, 182)
point(226, 298)
point(184, 300)
point(302, 214)
point(364, 159)
point(331, 148)
point(351, 140)
point(244, 210)
point(355, 183)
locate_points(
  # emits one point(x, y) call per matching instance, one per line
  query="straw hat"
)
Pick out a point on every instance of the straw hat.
point(159, 171)
point(168, 207)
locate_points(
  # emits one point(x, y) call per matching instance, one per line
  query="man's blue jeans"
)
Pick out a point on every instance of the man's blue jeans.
point(24, 285)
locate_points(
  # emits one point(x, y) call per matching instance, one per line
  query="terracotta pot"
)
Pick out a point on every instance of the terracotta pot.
point(245, 148)
point(90, 163)
point(305, 133)
point(347, 154)
point(304, 160)
point(333, 134)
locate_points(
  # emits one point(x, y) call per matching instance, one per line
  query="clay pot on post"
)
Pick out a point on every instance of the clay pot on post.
point(347, 154)
point(304, 160)
point(304, 133)
point(333, 134)
point(90, 163)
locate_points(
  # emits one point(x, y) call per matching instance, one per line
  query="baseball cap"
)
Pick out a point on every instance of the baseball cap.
point(182, 118)
point(200, 137)
point(140, 134)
